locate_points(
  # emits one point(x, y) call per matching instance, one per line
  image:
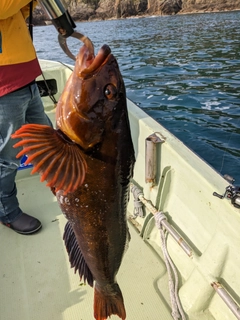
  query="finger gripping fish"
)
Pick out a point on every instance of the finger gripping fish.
point(88, 162)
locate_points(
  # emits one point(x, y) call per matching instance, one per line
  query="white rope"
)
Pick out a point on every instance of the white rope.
point(177, 311)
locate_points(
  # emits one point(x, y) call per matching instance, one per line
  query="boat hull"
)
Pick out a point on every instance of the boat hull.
point(35, 271)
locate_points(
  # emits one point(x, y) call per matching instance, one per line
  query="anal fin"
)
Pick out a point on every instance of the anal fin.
point(75, 255)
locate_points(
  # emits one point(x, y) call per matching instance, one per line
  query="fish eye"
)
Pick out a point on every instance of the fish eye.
point(110, 91)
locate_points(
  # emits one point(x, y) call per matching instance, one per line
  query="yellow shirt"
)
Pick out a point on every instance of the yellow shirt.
point(15, 41)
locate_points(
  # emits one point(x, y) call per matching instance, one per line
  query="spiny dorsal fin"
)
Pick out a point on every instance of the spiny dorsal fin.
point(59, 162)
point(75, 255)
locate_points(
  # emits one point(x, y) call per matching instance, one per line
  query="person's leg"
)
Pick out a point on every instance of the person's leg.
point(12, 116)
point(35, 110)
point(15, 109)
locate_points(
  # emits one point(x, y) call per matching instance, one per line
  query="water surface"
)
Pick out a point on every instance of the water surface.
point(183, 70)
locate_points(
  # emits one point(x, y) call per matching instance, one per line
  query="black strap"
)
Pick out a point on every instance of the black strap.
point(30, 24)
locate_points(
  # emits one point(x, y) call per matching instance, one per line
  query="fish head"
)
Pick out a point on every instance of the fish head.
point(92, 97)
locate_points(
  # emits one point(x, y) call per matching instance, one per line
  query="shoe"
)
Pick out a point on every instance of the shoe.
point(25, 224)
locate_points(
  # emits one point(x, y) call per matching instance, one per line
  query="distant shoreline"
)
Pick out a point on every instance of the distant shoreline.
point(48, 22)
point(208, 11)
point(159, 15)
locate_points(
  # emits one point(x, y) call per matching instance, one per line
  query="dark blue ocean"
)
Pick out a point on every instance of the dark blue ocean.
point(183, 70)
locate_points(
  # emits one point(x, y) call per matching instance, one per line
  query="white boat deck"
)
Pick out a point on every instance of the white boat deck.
point(37, 282)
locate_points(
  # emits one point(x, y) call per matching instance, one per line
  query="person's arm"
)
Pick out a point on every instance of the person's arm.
point(10, 7)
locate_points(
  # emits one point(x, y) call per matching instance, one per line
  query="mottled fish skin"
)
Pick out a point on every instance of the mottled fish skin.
point(97, 209)
point(92, 114)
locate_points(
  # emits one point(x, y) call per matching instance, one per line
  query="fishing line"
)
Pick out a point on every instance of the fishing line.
point(30, 23)
point(30, 28)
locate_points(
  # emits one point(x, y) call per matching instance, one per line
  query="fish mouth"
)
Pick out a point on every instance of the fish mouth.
point(88, 63)
point(76, 116)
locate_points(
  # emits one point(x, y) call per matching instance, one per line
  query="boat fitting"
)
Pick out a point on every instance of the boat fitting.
point(151, 157)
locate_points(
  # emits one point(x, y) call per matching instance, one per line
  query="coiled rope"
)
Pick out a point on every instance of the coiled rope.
point(139, 200)
point(177, 311)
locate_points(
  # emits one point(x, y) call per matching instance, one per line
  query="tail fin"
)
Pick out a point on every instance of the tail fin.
point(108, 301)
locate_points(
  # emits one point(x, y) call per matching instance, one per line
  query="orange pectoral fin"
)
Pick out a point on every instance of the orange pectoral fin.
point(60, 162)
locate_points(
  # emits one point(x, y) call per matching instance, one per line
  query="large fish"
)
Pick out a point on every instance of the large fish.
point(88, 162)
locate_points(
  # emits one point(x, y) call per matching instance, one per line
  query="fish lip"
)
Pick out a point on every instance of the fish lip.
point(88, 63)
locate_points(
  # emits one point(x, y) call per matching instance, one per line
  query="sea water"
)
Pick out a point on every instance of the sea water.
point(183, 70)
